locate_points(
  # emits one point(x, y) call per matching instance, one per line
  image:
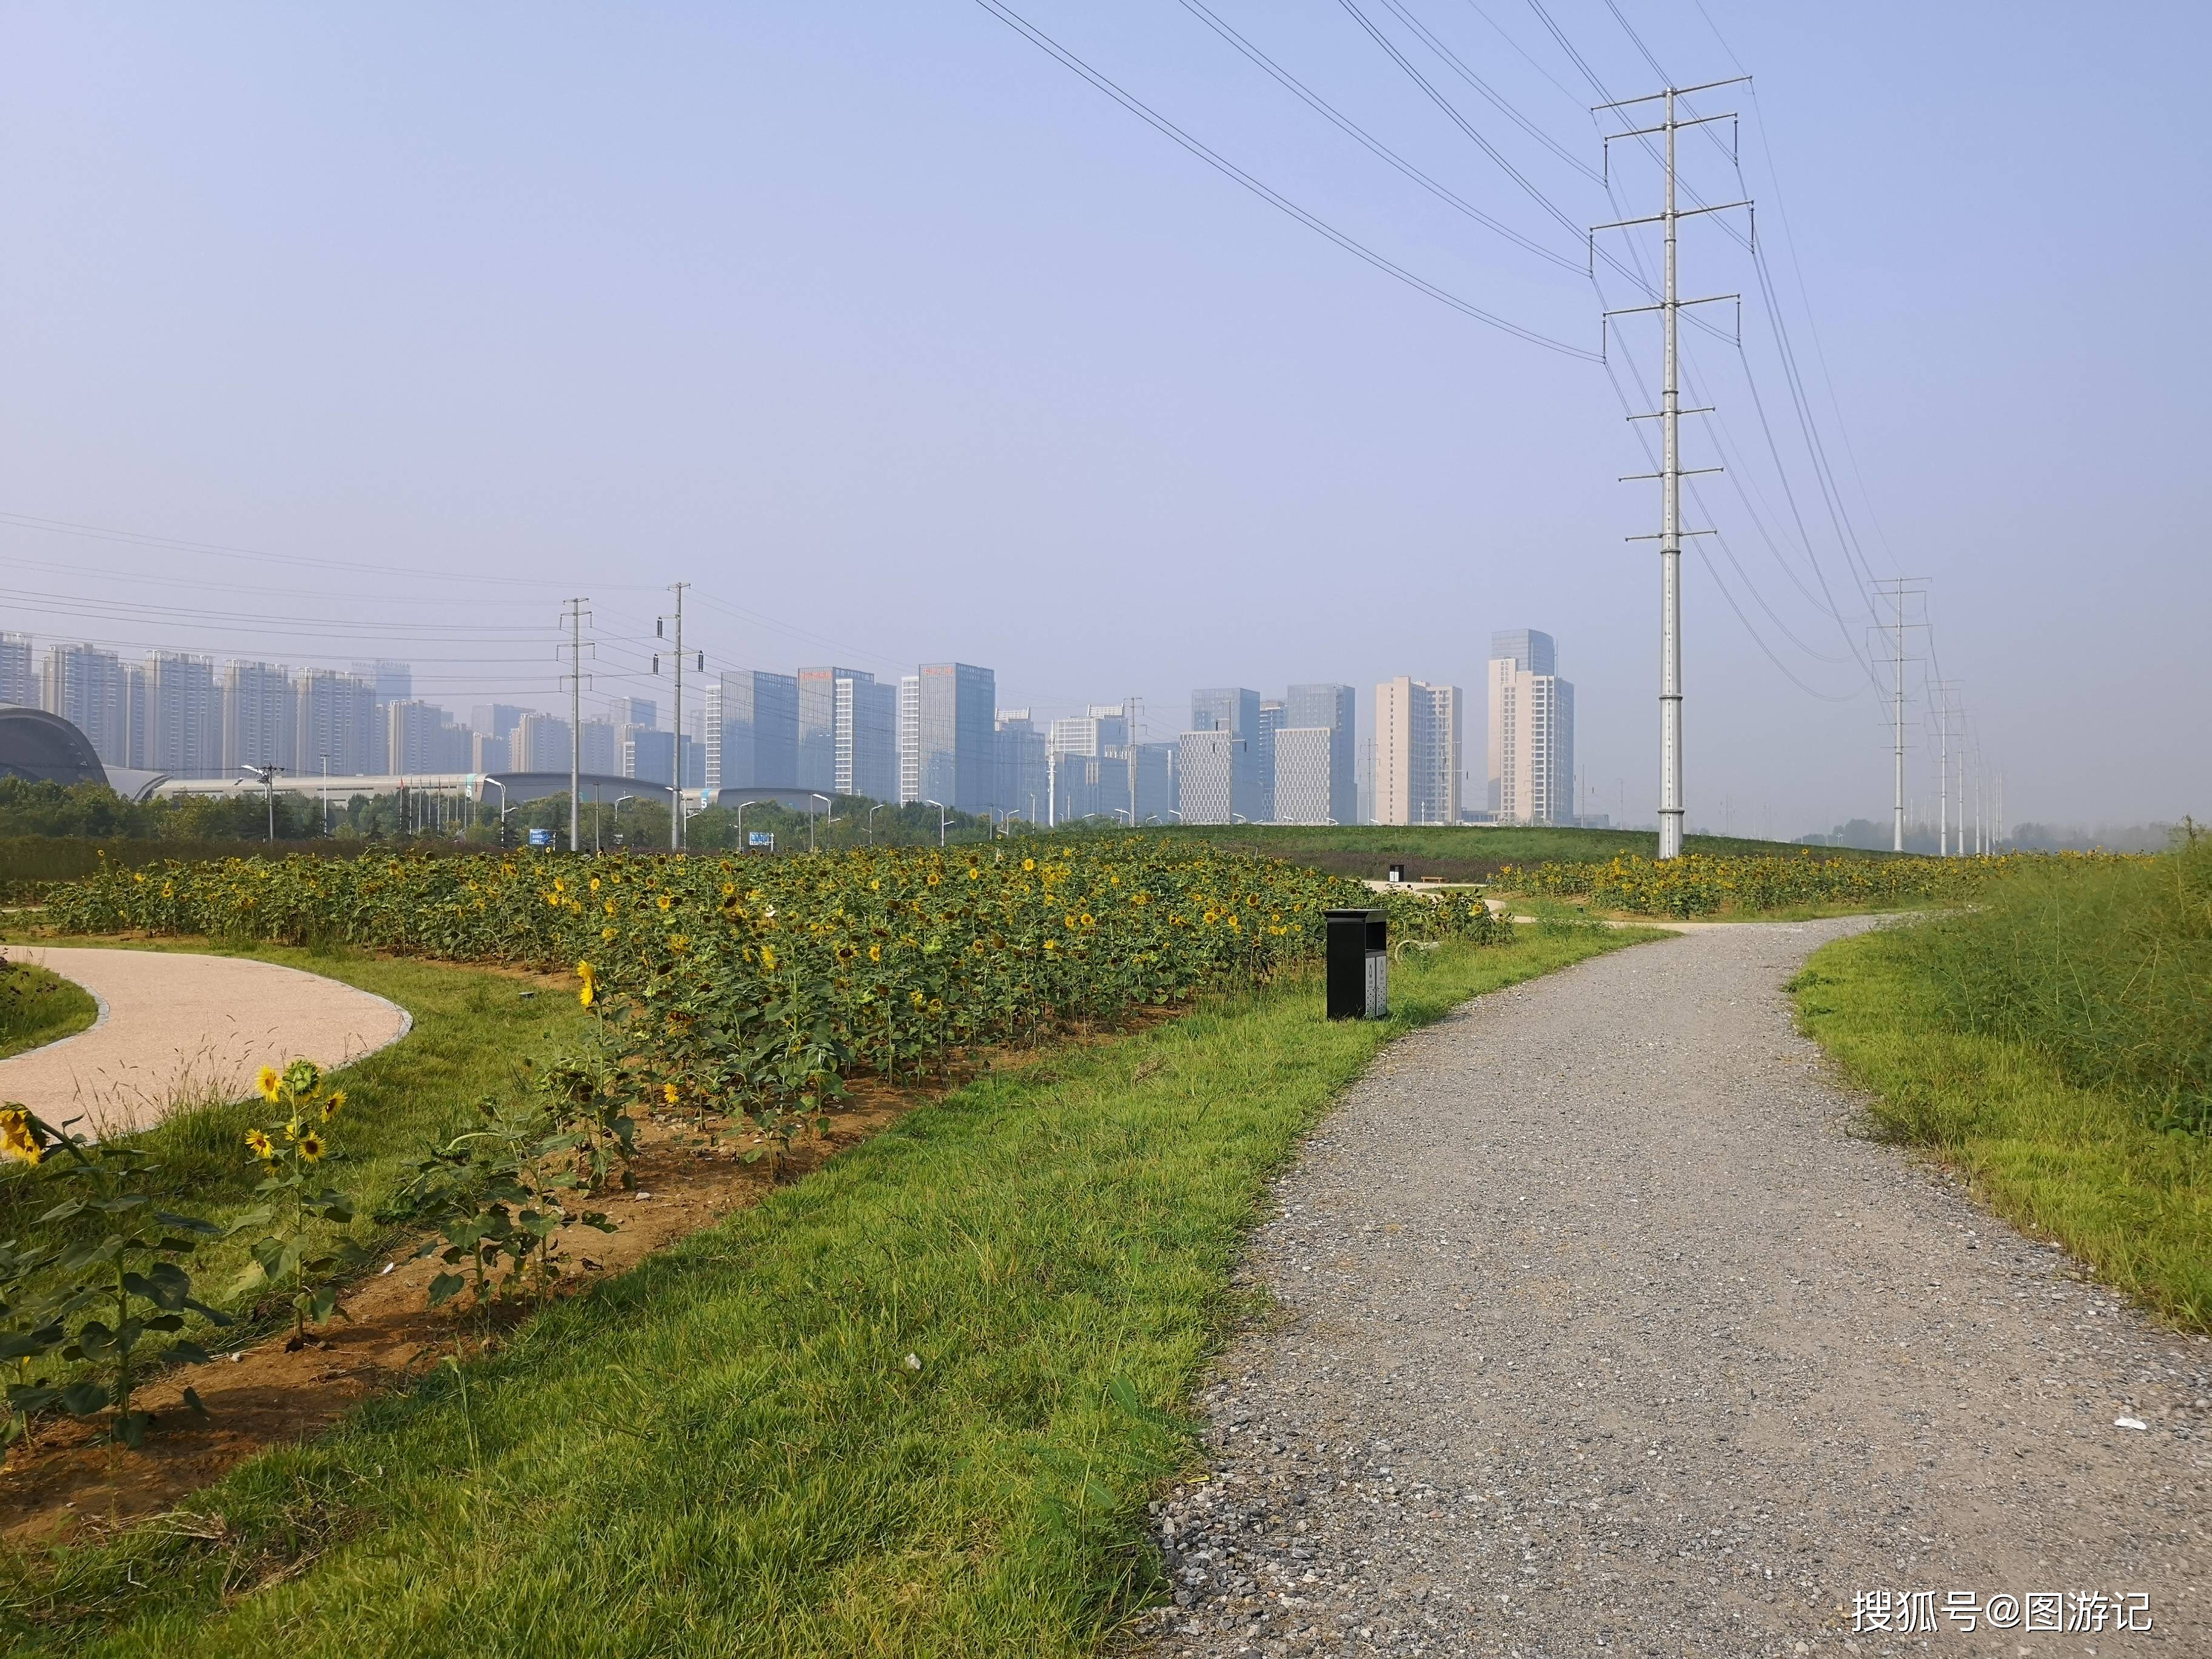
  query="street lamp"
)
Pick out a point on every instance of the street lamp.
point(942, 816)
point(266, 777)
point(504, 808)
point(872, 811)
point(327, 796)
point(826, 805)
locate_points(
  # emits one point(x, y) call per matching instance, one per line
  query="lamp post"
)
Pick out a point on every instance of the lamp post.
point(504, 808)
point(266, 777)
point(872, 811)
point(826, 804)
point(326, 797)
point(942, 816)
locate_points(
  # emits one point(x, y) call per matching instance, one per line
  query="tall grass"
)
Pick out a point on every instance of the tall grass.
point(2104, 969)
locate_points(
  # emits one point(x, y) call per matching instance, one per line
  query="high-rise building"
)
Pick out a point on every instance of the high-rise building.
point(178, 724)
point(1101, 729)
point(956, 744)
point(421, 737)
point(19, 675)
point(336, 725)
point(86, 687)
point(1214, 776)
point(633, 711)
point(1024, 773)
point(1089, 787)
point(1157, 795)
point(1529, 650)
point(489, 757)
point(909, 738)
point(1233, 710)
point(388, 681)
point(260, 716)
point(495, 719)
point(1301, 774)
point(1532, 732)
point(1417, 753)
point(849, 720)
point(649, 756)
point(1263, 754)
point(602, 750)
point(1335, 707)
point(752, 731)
point(539, 743)
point(817, 725)
point(1225, 708)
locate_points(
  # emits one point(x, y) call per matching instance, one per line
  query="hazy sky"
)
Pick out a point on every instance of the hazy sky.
point(903, 343)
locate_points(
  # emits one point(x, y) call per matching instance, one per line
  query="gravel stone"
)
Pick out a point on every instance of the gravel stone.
point(1603, 1328)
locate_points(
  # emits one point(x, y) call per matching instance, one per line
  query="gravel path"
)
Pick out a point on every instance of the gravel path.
point(176, 1030)
point(1600, 1332)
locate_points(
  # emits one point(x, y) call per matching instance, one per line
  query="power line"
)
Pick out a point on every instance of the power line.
point(1329, 111)
point(1168, 129)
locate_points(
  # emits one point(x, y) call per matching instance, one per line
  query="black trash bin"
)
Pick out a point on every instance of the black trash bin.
point(1359, 964)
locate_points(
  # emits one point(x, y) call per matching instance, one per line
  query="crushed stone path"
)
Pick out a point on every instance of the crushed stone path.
point(181, 1030)
point(1600, 1332)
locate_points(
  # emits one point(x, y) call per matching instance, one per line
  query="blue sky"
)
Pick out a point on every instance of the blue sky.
point(903, 343)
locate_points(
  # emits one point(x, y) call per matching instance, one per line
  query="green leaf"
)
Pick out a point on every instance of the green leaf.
point(189, 1352)
point(445, 1287)
point(81, 1399)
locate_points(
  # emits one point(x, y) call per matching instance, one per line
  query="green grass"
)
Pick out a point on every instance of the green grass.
point(725, 1450)
point(1467, 852)
point(37, 1007)
point(2083, 1165)
point(472, 1028)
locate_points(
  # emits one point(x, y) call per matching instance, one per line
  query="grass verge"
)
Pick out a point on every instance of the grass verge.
point(2083, 1165)
point(912, 1404)
point(38, 1007)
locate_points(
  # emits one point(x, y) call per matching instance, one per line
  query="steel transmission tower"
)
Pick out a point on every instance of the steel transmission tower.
point(1668, 415)
point(575, 678)
point(1900, 588)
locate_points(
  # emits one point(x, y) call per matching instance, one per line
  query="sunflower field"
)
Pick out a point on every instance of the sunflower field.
point(753, 987)
point(1699, 884)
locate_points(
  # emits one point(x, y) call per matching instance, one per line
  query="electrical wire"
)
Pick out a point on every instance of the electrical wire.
point(1168, 129)
point(1329, 111)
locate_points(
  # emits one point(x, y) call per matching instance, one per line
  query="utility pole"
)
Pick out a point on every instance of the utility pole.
point(1940, 695)
point(675, 717)
point(1900, 589)
point(576, 615)
point(1669, 413)
point(1129, 742)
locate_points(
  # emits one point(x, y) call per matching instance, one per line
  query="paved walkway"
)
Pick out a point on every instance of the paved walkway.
point(181, 1030)
point(1602, 1334)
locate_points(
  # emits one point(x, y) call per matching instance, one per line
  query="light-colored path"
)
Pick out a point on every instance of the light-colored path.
point(1601, 1332)
point(184, 1030)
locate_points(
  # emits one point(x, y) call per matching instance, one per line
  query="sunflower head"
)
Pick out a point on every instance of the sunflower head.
point(258, 1143)
point(270, 1081)
point(332, 1106)
point(311, 1146)
point(18, 1140)
point(301, 1076)
point(671, 1093)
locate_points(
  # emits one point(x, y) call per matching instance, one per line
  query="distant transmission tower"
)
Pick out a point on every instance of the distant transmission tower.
point(1670, 473)
point(1900, 588)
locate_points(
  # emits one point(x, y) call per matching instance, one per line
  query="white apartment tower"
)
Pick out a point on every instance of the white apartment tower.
point(1417, 753)
point(19, 677)
point(1531, 775)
